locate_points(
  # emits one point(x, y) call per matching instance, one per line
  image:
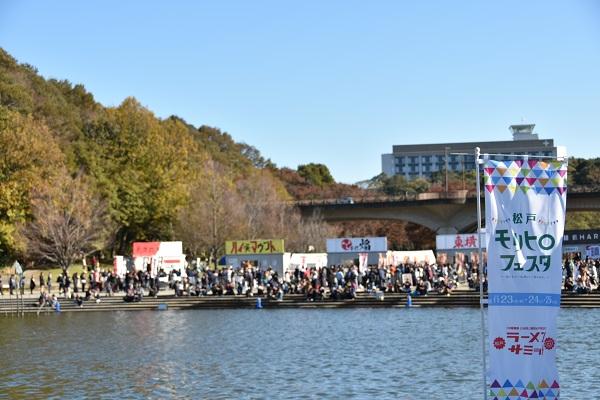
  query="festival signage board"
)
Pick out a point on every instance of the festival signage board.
point(256, 246)
point(582, 236)
point(158, 255)
point(152, 249)
point(458, 241)
point(357, 245)
point(592, 251)
point(525, 217)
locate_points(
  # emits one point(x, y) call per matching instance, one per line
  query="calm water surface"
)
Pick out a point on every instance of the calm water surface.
point(263, 354)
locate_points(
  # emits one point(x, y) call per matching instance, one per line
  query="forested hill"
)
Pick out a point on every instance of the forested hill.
point(77, 177)
point(153, 179)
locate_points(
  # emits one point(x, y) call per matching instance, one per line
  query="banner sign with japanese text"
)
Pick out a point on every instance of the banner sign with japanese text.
point(258, 246)
point(458, 241)
point(358, 245)
point(525, 217)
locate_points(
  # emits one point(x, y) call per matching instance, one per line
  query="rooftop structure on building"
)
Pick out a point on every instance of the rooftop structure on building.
point(423, 160)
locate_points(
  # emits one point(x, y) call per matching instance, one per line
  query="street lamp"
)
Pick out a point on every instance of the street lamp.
point(446, 160)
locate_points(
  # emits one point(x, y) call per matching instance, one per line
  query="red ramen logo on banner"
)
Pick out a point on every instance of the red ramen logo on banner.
point(347, 244)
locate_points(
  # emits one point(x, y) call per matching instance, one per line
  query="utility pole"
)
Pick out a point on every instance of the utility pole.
point(462, 162)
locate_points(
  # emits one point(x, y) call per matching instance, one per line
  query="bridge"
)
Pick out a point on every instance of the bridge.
point(442, 212)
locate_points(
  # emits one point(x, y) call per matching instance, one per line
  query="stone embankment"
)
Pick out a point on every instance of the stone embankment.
point(459, 298)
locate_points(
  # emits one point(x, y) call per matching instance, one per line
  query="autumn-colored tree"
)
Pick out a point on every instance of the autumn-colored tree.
point(68, 221)
point(213, 213)
point(29, 156)
point(304, 234)
point(263, 205)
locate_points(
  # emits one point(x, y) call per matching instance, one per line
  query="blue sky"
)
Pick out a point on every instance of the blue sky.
point(334, 82)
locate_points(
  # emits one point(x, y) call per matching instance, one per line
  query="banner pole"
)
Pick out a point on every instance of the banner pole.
point(480, 269)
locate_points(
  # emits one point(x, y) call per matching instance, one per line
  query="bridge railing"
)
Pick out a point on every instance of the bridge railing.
point(452, 195)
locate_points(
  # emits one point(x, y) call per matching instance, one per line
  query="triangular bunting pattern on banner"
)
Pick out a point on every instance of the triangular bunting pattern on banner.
point(546, 177)
point(519, 391)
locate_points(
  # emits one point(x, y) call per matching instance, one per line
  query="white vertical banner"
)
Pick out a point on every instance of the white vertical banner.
point(525, 216)
point(363, 261)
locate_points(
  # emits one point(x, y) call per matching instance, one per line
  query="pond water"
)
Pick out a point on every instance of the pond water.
point(269, 354)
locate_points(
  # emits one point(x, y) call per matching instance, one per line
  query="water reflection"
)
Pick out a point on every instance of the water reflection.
point(250, 354)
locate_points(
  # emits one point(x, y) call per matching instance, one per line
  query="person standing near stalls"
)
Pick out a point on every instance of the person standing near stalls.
point(75, 281)
point(83, 281)
point(49, 282)
point(41, 281)
point(31, 285)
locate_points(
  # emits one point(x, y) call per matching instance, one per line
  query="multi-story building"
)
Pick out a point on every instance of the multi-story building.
point(422, 160)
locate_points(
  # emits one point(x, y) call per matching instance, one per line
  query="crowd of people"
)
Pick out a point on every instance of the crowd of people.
point(332, 282)
point(336, 282)
point(580, 275)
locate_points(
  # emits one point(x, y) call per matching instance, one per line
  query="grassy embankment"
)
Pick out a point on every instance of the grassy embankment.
point(6, 271)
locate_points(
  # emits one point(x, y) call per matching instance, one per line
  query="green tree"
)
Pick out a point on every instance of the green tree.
point(142, 166)
point(316, 174)
point(254, 156)
point(397, 185)
point(582, 220)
